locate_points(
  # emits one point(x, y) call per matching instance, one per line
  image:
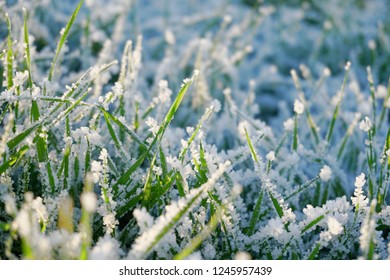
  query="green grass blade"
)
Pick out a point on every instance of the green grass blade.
point(302, 188)
point(310, 121)
point(191, 199)
point(147, 191)
point(275, 202)
point(124, 178)
point(147, 241)
point(336, 110)
point(179, 184)
point(193, 135)
point(295, 137)
point(114, 138)
point(251, 148)
point(14, 159)
point(10, 55)
point(255, 215)
point(21, 136)
point(312, 223)
point(27, 49)
point(164, 166)
point(34, 106)
point(384, 108)
point(168, 118)
point(200, 237)
point(372, 94)
point(131, 133)
point(64, 36)
point(278, 208)
point(67, 111)
point(315, 251)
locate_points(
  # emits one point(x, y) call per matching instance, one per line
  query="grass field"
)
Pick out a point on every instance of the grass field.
point(194, 129)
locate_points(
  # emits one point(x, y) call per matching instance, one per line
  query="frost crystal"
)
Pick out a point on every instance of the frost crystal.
point(367, 230)
point(37, 205)
point(298, 107)
point(10, 205)
point(359, 200)
point(348, 65)
point(169, 37)
point(153, 125)
point(89, 201)
point(96, 168)
point(325, 173)
point(144, 219)
point(365, 124)
point(242, 256)
point(216, 105)
point(165, 92)
point(371, 44)
point(110, 222)
point(335, 228)
point(271, 156)
point(289, 125)
point(106, 248)
point(327, 72)
point(144, 243)
point(381, 92)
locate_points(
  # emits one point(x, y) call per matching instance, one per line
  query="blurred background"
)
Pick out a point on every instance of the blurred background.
point(247, 46)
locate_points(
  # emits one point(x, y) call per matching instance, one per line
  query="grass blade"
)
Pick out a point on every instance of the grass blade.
point(10, 55)
point(144, 244)
point(336, 110)
point(312, 223)
point(133, 135)
point(255, 215)
point(13, 159)
point(64, 36)
point(168, 118)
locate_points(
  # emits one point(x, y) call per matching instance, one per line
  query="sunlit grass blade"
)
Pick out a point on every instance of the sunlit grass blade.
point(14, 159)
point(252, 149)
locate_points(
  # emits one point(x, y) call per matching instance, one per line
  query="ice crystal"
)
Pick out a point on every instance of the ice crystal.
point(325, 173)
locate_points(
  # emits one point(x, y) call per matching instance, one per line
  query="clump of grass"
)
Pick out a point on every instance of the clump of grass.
point(106, 155)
